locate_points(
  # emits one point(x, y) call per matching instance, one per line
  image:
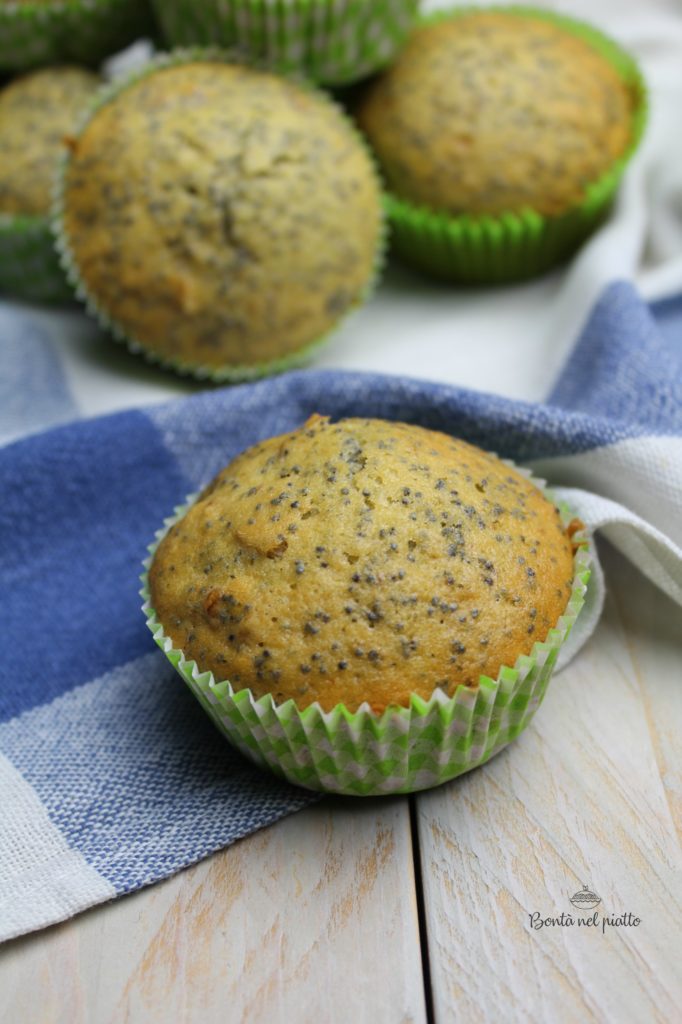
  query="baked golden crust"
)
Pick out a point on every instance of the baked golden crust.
point(362, 560)
point(494, 112)
point(36, 112)
point(222, 215)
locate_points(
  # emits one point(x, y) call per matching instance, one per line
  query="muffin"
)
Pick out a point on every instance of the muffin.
point(34, 33)
point(362, 562)
point(334, 596)
point(220, 218)
point(36, 111)
point(330, 42)
point(489, 114)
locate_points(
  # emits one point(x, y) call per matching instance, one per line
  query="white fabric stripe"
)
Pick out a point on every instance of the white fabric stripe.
point(637, 507)
point(630, 493)
point(42, 880)
point(642, 473)
point(644, 545)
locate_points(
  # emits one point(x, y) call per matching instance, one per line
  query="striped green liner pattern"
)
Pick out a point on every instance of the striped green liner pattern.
point(362, 753)
point(331, 41)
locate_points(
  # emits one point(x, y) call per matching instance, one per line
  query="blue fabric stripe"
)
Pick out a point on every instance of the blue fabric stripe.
point(624, 380)
point(623, 368)
point(80, 505)
point(668, 316)
point(137, 779)
point(34, 393)
point(204, 432)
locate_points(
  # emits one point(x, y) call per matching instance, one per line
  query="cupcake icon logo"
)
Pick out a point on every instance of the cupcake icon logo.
point(585, 899)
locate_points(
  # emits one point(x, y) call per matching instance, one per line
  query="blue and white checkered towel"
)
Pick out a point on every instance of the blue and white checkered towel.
point(103, 787)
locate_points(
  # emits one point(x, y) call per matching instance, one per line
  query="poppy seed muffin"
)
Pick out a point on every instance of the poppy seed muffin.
point(220, 216)
point(36, 111)
point(493, 112)
point(362, 561)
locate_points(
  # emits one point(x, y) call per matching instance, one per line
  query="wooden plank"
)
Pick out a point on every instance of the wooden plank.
point(654, 649)
point(313, 919)
point(585, 796)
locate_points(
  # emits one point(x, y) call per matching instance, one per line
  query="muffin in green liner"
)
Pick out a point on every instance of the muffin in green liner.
point(334, 42)
point(37, 111)
point(217, 218)
point(34, 33)
point(503, 134)
point(402, 726)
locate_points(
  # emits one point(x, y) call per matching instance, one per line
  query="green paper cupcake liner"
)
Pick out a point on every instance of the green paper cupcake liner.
point(334, 42)
point(29, 264)
point(515, 246)
point(73, 31)
point(402, 750)
point(227, 373)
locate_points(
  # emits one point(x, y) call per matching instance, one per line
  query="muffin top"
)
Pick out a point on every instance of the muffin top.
point(36, 112)
point(222, 215)
point(362, 561)
point(493, 112)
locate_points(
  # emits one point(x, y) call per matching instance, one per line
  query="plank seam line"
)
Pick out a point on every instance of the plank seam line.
point(421, 911)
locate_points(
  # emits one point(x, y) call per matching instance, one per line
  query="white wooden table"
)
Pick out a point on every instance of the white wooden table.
point(418, 909)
